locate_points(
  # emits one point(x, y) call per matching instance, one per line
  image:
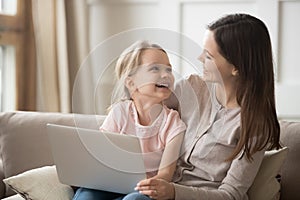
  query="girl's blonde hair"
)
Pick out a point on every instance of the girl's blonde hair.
point(127, 65)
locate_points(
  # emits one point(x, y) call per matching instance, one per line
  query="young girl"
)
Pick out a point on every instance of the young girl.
point(145, 75)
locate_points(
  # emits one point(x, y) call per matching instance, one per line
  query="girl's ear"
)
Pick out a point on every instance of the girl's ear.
point(129, 84)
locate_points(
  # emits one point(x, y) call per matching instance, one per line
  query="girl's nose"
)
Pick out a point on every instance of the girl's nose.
point(166, 73)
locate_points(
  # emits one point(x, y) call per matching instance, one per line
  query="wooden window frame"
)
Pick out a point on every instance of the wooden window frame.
point(14, 22)
point(17, 31)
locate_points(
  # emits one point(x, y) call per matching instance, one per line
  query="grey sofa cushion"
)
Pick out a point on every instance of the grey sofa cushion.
point(265, 185)
point(290, 181)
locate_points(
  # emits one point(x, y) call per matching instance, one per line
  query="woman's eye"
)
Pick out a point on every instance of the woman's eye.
point(208, 57)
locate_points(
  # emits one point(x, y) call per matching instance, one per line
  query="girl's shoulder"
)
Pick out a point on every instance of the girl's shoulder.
point(171, 114)
point(121, 106)
point(172, 125)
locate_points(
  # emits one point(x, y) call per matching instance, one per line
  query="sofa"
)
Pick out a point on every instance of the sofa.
point(24, 146)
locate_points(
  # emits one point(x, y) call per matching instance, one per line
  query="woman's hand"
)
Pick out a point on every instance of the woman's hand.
point(156, 188)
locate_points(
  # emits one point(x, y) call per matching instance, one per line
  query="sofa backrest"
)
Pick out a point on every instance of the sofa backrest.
point(24, 144)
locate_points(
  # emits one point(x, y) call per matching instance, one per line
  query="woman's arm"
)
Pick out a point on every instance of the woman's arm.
point(156, 188)
point(239, 178)
point(169, 158)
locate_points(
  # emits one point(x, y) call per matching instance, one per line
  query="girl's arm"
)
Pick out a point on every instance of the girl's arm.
point(169, 158)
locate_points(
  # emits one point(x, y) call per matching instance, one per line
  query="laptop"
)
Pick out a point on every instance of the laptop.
point(97, 160)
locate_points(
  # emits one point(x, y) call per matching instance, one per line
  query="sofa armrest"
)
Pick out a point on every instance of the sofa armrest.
point(2, 185)
point(24, 142)
point(290, 176)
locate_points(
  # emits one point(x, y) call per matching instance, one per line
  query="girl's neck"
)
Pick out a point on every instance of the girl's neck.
point(147, 111)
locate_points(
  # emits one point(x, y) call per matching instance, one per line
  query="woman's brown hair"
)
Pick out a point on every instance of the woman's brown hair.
point(245, 42)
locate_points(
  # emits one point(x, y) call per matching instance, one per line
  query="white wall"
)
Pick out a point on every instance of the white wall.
point(189, 17)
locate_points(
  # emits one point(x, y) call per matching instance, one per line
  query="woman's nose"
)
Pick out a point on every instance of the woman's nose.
point(201, 57)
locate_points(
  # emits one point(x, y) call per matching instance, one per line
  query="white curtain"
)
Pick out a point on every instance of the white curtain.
point(61, 32)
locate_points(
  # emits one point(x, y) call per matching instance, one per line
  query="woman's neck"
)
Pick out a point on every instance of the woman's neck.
point(147, 111)
point(226, 95)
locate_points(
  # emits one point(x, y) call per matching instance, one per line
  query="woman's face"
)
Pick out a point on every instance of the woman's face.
point(215, 67)
point(153, 79)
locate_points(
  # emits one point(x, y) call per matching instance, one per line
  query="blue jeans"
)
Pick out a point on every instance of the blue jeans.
point(136, 196)
point(90, 194)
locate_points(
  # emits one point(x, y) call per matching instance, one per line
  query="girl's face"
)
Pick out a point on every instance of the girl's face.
point(215, 67)
point(153, 79)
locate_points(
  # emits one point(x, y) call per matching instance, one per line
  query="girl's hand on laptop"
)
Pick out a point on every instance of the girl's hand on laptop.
point(156, 188)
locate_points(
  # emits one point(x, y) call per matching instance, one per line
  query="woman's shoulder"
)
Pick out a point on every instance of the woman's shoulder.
point(192, 80)
point(193, 87)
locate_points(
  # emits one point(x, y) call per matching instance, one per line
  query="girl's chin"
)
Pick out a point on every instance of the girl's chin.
point(165, 96)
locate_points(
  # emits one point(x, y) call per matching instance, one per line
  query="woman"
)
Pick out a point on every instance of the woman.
point(233, 120)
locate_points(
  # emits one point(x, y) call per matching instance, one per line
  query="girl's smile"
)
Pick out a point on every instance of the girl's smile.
point(153, 79)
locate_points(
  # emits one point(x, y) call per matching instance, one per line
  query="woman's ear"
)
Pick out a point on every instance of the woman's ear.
point(235, 71)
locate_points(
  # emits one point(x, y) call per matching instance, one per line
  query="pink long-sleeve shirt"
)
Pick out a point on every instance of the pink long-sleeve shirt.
point(123, 119)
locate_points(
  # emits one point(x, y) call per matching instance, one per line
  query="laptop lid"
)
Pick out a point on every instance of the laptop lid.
point(94, 159)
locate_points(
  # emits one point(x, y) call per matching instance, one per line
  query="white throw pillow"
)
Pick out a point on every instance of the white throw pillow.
point(40, 184)
point(265, 185)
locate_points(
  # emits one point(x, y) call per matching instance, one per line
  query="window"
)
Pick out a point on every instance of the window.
point(1, 78)
point(8, 7)
point(9, 25)
point(14, 34)
point(7, 77)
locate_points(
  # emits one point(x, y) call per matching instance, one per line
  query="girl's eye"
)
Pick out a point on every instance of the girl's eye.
point(154, 68)
point(169, 69)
